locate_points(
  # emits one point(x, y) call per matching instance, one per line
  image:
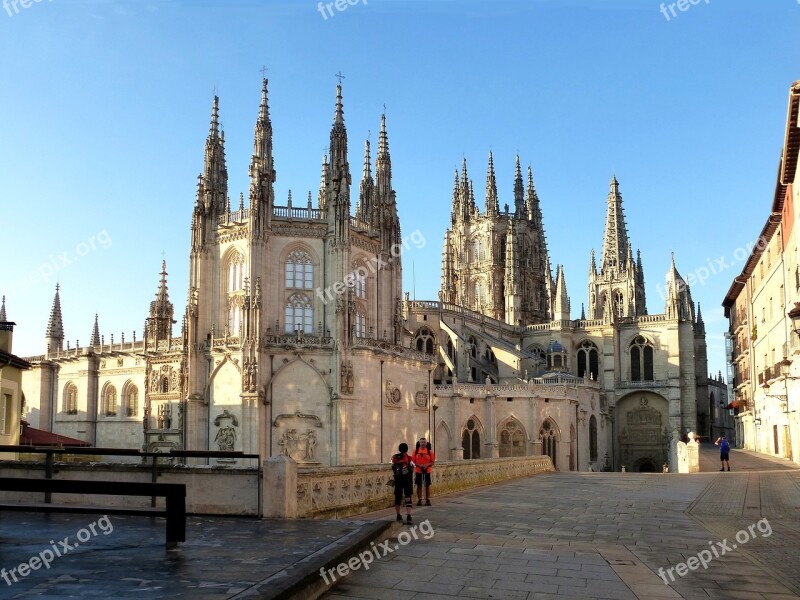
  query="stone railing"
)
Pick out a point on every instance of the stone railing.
point(643, 384)
point(342, 491)
point(298, 340)
point(393, 348)
point(533, 386)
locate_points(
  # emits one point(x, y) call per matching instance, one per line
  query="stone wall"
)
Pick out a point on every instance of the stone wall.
point(345, 491)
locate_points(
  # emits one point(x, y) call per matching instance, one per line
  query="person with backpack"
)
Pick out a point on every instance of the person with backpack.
point(403, 468)
point(724, 452)
point(423, 458)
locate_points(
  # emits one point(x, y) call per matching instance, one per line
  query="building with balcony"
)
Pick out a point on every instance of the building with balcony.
point(764, 348)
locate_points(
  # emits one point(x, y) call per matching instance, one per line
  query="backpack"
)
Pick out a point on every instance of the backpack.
point(401, 469)
point(724, 446)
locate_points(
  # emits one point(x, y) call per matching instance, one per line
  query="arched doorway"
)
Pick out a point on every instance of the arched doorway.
point(646, 466)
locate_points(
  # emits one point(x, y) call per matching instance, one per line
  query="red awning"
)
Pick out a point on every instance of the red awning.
point(30, 436)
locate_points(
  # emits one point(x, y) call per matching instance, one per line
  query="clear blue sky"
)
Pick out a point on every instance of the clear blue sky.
point(105, 108)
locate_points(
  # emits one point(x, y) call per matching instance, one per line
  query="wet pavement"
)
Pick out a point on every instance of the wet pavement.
point(555, 535)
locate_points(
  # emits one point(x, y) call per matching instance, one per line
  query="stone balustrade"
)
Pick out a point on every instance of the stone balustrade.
point(344, 491)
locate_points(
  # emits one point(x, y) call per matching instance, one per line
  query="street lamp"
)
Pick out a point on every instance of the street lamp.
point(794, 315)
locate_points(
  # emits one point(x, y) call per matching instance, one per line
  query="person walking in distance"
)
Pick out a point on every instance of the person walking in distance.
point(724, 452)
point(423, 459)
point(403, 469)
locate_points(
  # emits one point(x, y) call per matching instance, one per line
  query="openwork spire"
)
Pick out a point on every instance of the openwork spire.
point(616, 247)
point(159, 324)
point(519, 192)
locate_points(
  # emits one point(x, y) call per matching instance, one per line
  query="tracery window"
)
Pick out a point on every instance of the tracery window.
point(299, 314)
point(424, 341)
point(471, 440)
point(109, 402)
point(71, 399)
point(641, 359)
point(548, 435)
point(131, 400)
point(299, 270)
point(588, 360)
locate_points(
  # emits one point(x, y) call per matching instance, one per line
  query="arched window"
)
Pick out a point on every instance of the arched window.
point(423, 340)
point(109, 403)
point(547, 435)
point(71, 399)
point(619, 304)
point(641, 359)
point(299, 270)
point(235, 308)
point(360, 325)
point(131, 400)
point(592, 438)
point(236, 272)
point(588, 360)
point(299, 314)
point(471, 440)
point(512, 439)
point(359, 280)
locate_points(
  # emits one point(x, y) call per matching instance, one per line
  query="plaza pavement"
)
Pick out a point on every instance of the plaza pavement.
point(554, 535)
point(603, 535)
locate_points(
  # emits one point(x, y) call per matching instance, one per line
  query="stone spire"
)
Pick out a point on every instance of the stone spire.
point(519, 192)
point(323, 183)
point(679, 304)
point(262, 167)
point(3, 318)
point(339, 180)
point(94, 340)
point(583, 312)
point(55, 327)
point(615, 242)
point(455, 211)
point(700, 326)
point(215, 171)
point(383, 165)
point(592, 265)
point(364, 206)
point(532, 207)
point(492, 204)
point(561, 306)
point(464, 202)
point(159, 324)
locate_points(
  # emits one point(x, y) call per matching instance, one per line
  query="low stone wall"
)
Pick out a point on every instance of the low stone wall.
point(343, 491)
point(213, 490)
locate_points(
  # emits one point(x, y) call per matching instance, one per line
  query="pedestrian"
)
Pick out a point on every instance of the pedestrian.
point(423, 459)
point(402, 468)
point(724, 452)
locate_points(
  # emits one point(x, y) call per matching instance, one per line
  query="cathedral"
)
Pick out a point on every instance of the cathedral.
point(297, 338)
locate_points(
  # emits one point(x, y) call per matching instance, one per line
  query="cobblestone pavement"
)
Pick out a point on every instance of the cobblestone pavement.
point(221, 557)
point(603, 535)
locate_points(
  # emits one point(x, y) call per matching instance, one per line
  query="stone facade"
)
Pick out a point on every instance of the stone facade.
point(297, 340)
point(12, 399)
point(763, 348)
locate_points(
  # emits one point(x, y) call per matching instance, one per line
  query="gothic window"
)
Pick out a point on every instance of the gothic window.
point(235, 307)
point(503, 251)
point(588, 360)
point(71, 399)
point(109, 402)
point(548, 435)
point(619, 304)
point(235, 272)
point(299, 314)
point(164, 384)
point(360, 322)
point(471, 440)
point(131, 400)
point(641, 360)
point(299, 270)
point(423, 341)
point(512, 439)
point(359, 280)
point(592, 438)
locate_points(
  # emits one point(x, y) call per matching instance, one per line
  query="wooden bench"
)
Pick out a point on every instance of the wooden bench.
point(175, 494)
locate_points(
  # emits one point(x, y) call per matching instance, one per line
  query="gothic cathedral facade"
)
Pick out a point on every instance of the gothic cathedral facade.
point(297, 338)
